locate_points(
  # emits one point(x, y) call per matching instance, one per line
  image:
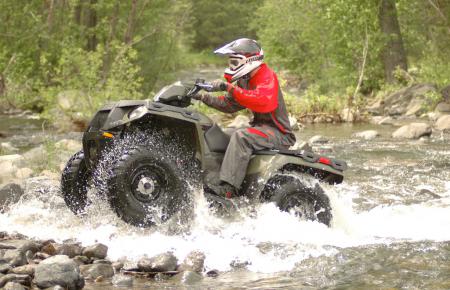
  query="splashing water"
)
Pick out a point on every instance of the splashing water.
point(262, 237)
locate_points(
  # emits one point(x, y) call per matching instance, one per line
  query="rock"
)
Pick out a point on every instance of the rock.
point(443, 123)
point(212, 273)
point(162, 277)
point(14, 286)
point(81, 260)
point(49, 249)
point(22, 279)
point(52, 175)
point(367, 135)
point(294, 123)
point(188, 277)
point(6, 147)
point(42, 186)
point(386, 121)
point(194, 261)
point(241, 121)
point(442, 107)
point(161, 263)
point(41, 256)
point(24, 173)
point(68, 145)
point(15, 257)
point(15, 158)
point(94, 271)
point(10, 193)
point(407, 99)
point(58, 270)
point(102, 261)
point(299, 145)
point(117, 266)
point(122, 281)
point(5, 267)
point(349, 115)
point(36, 155)
point(375, 119)
point(415, 107)
point(318, 139)
point(375, 108)
point(24, 270)
point(434, 116)
point(237, 264)
point(69, 249)
point(98, 251)
point(413, 131)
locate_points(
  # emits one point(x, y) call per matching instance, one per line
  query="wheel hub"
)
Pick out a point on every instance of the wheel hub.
point(146, 187)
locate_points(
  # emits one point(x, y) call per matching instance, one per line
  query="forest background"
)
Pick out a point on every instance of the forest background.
point(336, 52)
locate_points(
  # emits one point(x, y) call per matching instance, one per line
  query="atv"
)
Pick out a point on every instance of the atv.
point(163, 145)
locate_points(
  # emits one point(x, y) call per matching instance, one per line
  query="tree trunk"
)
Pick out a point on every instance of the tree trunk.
point(91, 23)
point(393, 54)
point(131, 21)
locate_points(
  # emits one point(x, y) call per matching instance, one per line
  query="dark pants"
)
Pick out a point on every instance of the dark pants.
point(242, 144)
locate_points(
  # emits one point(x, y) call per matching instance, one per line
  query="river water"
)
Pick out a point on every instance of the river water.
point(391, 225)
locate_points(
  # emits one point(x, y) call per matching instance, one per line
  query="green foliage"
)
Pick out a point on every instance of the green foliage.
point(312, 102)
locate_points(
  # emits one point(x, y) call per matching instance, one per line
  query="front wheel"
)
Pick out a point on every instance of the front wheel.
point(74, 183)
point(146, 187)
point(292, 194)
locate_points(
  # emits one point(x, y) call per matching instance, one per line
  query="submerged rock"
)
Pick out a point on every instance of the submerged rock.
point(69, 249)
point(443, 123)
point(21, 279)
point(98, 251)
point(122, 281)
point(194, 261)
point(367, 135)
point(58, 270)
point(413, 131)
point(94, 271)
point(318, 139)
point(161, 263)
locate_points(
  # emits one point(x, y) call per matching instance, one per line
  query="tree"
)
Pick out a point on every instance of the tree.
point(393, 54)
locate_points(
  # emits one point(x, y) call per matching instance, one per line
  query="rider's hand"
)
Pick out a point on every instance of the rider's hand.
point(198, 96)
point(219, 86)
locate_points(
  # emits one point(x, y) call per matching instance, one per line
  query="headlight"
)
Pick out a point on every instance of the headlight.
point(138, 112)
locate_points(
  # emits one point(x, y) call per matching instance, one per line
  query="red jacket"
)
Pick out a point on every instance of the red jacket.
point(262, 95)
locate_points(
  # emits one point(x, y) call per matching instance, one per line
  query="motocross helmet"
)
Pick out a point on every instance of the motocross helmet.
point(244, 55)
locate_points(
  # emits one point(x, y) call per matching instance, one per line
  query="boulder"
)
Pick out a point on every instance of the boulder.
point(349, 115)
point(68, 145)
point(24, 173)
point(161, 263)
point(4, 267)
point(443, 107)
point(14, 257)
point(443, 123)
point(58, 270)
point(318, 139)
point(386, 121)
point(241, 121)
point(98, 251)
point(407, 100)
point(14, 286)
point(413, 131)
point(36, 155)
point(194, 261)
point(81, 260)
point(21, 279)
point(122, 281)
point(415, 107)
point(24, 270)
point(21, 245)
point(15, 158)
point(367, 135)
point(10, 193)
point(69, 249)
point(93, 271)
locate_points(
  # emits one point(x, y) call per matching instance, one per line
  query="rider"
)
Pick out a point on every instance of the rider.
point(252, 85)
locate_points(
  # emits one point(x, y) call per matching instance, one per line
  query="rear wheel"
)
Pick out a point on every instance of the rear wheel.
point(292, 194)
point(74, 183)
point(146, 187)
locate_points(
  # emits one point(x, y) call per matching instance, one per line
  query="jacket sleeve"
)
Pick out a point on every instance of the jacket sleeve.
point(224, 104)
point(262, 99)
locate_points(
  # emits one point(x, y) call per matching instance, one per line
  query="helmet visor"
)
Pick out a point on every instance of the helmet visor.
point(235, 62)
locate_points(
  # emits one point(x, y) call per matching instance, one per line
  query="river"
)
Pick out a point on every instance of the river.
point(390, 228)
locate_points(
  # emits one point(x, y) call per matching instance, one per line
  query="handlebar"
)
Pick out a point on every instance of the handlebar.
point(198, 86)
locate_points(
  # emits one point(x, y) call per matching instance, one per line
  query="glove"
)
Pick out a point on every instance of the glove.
point(219, 86)
point(199, 96)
